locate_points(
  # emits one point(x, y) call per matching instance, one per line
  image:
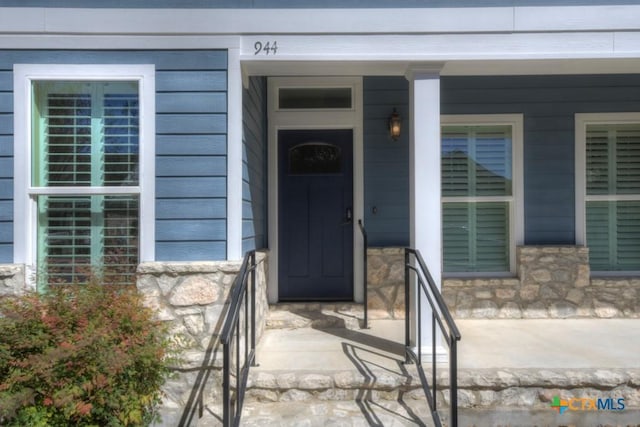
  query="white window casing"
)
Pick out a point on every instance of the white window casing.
point(605, 120)
point(26, 193)
point(515, 200)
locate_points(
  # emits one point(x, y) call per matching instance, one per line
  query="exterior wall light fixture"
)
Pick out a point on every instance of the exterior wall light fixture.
point(395, 125)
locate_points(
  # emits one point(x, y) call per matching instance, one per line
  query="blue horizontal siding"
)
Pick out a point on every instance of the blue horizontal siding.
point(549, 104)
point(191, 187)
point(198, 209)
point(191, 144)
point(191, 81)
point(6, 124)
point(190, 230)
point(6, 166)
point(254, 166)
point(6, 190)
point(180, 166)
point(201, 145)
point(6, 145)
point(185, 124)
point(189, 102)
point(386, 172)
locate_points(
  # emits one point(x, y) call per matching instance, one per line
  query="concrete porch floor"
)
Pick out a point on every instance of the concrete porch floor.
point(554, 354)
point(509, 343)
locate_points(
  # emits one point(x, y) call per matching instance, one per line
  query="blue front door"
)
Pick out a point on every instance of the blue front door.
point(315, 214)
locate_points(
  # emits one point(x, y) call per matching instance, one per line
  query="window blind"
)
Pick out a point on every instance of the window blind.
point(477, 198)
point(86, 134)
point(613, 196)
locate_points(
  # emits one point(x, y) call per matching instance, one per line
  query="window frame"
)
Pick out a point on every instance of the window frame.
point(516, 200)
point(25, 194)
point(582, 120)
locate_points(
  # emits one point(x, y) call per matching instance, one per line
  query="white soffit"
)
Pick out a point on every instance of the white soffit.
point(451, 68)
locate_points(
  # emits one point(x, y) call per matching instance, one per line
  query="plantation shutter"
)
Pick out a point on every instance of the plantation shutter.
point(477, 197)
point(86, 135)
point(613, 196)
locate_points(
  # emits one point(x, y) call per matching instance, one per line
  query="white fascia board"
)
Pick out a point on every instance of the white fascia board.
point(13, 19)
point(577, 18)
point(58, 41)
point(278, 21)
point(433, 47)
point(627, 42)
point(320, 21)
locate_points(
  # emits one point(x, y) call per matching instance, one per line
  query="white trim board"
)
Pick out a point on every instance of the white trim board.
point(341, 20)
point(315, 119)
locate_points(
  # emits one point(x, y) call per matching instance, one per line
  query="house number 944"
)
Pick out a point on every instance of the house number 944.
point(268, 48)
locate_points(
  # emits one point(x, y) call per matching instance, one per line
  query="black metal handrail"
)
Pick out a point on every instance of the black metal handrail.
point(243, 293)
point(365, 286)
point(441, 316)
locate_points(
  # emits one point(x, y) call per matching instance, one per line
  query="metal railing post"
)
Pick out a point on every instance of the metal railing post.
point(365, 273)
point(407, 302)
point(242, 303)
point(453, 382)
point(426, 288)
point(253, 302)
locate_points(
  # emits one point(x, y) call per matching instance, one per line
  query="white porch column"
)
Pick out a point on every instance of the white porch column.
point(424, 176)
point(234, 156)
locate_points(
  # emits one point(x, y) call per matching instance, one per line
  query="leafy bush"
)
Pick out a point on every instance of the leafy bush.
point(80, 355)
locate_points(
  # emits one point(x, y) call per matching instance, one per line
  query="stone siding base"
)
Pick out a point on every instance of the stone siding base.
point(551, 282)
point(193, 299)
point(12, 280)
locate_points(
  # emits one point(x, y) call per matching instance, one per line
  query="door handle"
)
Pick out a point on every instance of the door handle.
point(348, 217)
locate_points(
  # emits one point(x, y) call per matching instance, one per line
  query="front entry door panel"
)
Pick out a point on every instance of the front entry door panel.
point(315, 220)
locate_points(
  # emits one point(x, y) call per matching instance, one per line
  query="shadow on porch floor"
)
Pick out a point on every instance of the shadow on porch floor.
point(509, 371)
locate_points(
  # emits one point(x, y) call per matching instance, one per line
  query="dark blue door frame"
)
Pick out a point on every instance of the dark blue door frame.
point(315, 224)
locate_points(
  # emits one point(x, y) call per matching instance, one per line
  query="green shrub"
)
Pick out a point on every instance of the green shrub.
point(80, 355)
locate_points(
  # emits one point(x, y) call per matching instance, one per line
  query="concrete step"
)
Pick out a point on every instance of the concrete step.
point(315, 315)
point(341, 413)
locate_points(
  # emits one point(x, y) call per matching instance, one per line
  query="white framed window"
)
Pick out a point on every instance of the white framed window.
point(482, 193)
point(84, 186)
point(608, 190)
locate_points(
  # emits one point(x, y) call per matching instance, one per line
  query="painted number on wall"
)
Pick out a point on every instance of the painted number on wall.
point(268, 48)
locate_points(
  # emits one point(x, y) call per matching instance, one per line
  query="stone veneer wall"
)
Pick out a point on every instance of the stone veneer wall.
point(193, 299)
point(552, 281)
point(12, 279)
point(385, 283)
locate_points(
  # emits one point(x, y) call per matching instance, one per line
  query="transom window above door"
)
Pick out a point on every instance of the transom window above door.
point(315, 98)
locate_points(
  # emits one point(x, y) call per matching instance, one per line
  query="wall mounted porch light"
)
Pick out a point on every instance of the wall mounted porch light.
point(395, 125)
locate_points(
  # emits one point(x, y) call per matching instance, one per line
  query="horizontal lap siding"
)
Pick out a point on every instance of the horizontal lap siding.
point(191, 127)
point(191, 146)
point(254, 169)
point(6, 164)
point(386, 171)
point(549, 104)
